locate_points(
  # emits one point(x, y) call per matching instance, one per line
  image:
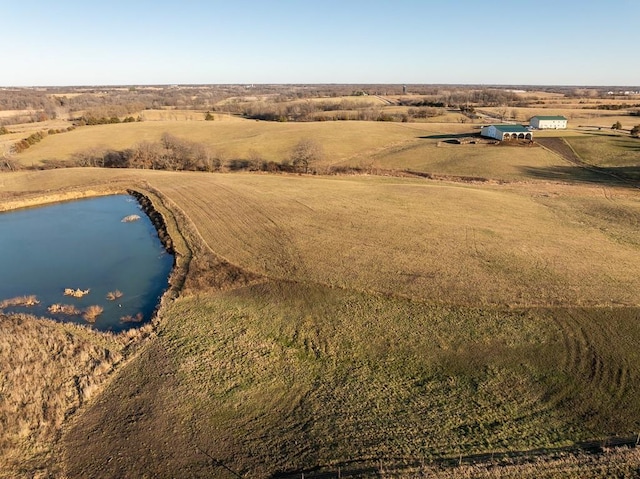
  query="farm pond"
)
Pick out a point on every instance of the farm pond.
point(94, 261)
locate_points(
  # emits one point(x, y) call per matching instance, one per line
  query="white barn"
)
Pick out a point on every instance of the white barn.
point(548, 122)
point(506, 132)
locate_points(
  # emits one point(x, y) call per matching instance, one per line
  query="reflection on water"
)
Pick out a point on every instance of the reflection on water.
point(83, 248)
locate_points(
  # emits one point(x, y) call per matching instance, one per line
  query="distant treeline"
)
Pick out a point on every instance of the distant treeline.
point(328, 110)
point(40, 104)
point(615, 106)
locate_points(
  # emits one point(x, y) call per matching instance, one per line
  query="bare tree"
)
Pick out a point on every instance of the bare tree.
point(7, 163)
point(305, 153)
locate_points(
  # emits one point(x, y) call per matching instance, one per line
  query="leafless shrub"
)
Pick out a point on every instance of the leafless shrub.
point(92, 312)
point(113, 295)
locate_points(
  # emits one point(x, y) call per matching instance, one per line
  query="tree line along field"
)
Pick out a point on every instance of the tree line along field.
point(363, 322)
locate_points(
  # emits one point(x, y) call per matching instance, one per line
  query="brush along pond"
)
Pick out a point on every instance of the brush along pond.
point(95, 261)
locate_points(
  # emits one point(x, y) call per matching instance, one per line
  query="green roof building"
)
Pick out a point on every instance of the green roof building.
point(506, 132)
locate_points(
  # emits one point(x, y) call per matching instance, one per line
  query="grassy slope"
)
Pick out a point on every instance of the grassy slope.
point(617, 152)
point(484, 161)
point(284, 375)
point(280, 376)
point(450, 243)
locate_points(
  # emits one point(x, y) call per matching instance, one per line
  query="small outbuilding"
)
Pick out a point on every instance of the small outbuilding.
point(506, 132)
point(548, 122)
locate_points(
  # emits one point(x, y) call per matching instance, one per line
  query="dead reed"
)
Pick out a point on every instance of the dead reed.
point(48, 370)
point(113, 295)
point(76, 293)
point(132, 319)
point(30, 300)
point(92, 312)
point(68, 309)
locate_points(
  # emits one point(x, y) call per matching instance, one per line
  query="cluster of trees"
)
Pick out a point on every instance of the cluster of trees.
point(325, 111)
point(30, 140)
point(635, 131)
point(90, 119)
point(170, 153)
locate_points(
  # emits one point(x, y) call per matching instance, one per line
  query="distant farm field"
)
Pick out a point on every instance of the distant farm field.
point(235, 138)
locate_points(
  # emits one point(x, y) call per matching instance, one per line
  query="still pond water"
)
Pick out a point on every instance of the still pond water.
point(84, 245)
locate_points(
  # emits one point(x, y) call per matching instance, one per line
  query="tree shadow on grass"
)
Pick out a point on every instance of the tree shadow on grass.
point(450, 136)
point(632, 144)
point(627, 176)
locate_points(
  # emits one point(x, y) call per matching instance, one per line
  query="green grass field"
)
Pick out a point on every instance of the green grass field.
point(616, 152)
point(373, 319)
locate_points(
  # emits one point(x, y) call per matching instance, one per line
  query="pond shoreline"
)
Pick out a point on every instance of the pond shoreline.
point(156, 219)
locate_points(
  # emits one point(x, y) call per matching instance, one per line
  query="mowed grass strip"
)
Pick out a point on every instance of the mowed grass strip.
point(282, 377)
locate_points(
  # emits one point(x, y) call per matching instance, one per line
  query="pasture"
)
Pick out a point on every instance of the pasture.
point(332, 319)
point(234, 137)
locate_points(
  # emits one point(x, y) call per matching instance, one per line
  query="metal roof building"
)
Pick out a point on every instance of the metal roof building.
point(506, 132)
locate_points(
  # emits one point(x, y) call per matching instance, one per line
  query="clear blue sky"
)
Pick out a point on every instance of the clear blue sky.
point(116, 42)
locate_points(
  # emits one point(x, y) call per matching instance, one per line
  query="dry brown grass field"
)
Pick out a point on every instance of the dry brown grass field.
point(238, 138)
point(372, 323)
point(375, 319)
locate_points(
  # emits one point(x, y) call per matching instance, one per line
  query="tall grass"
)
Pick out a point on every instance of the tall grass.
point(49, 370)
